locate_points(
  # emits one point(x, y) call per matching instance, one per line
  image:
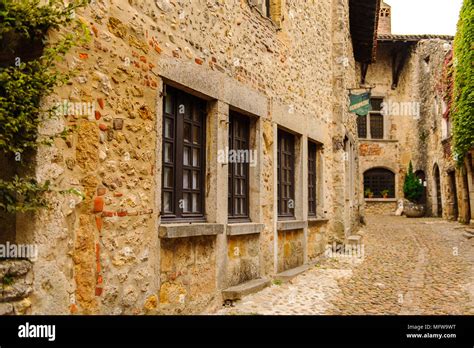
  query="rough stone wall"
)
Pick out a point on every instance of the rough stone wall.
point(290, 249)
point(103, 254)
point(380, 208)
point(317, 240)
point(188, 274)
point(436, 144)
point(346, 195)
point(243, 256)
point(16, 281)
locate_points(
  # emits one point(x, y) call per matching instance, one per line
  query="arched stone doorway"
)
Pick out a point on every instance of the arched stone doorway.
point(437, 203)
point(453, 210)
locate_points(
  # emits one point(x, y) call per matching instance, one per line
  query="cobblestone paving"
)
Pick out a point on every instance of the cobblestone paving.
point(410, 266)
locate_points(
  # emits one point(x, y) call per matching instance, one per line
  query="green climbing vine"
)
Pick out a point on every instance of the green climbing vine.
point(25, 82)
point(463, 110)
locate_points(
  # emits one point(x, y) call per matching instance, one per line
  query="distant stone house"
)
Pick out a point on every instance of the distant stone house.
point(408, 123)
point(221, 152)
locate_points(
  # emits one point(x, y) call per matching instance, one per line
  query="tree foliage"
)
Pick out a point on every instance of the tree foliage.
point(412, 187)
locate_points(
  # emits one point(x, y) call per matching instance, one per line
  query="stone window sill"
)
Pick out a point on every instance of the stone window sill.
point(317, 219)
point(190, 230)
point(236, 229)
point(378, 140)
point(291, 225)
point(381, 199)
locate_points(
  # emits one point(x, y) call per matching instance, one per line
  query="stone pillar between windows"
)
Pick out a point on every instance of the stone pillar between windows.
point(217, 180)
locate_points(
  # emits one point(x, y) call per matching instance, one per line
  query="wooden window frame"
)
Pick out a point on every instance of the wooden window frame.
point(376, 106)
point(196, 120)
point(285, 168)
point(268, 5)
point(237, 142)
point(362, 126)
point(312, 178)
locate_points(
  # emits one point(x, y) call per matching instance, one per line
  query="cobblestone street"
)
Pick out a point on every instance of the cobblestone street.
point(410, 266)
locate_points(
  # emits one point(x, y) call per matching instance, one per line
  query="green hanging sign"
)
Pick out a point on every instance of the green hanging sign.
point(360, 103)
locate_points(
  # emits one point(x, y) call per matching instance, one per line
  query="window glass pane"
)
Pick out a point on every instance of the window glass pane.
point(195, 180)
point(187, 132)
point(168, 104)
point(186, 179)
point(196, 134)
point(168, 177)
point(168, 128)
point(168, 153)
point(187, 111)
point(186, 203)
point(195, 203)
point(196, 115)
point(195, 157)
point(167, 202)
point(186, 153)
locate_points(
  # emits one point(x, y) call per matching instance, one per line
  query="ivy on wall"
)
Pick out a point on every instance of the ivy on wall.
point(25, 82)
point(463, 110)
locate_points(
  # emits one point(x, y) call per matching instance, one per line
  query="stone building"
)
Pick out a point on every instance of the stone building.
point(408, 122)
point(182, 91)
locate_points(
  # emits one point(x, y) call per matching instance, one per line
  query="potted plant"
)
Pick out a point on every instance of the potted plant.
point(413, 191)
point(385, 193)
point(368, 193)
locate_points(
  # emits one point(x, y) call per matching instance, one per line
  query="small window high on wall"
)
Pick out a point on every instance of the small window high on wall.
point(376, 118)
point(379, 181)
point(371, 126)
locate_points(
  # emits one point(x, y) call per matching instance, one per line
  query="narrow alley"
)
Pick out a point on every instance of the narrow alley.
point(408, 266)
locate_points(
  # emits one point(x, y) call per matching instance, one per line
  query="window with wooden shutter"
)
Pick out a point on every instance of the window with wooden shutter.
point(362, 126)
point(312, 178)
point(238, 187)
point(286, 174)
point(376, 119)
point(183, 155)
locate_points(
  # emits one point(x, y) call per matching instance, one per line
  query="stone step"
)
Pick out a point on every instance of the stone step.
point(290, 274)
point(468, 235)
point(238, 291)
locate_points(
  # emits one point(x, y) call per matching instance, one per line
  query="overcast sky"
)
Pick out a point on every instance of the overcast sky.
point(424, 16)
